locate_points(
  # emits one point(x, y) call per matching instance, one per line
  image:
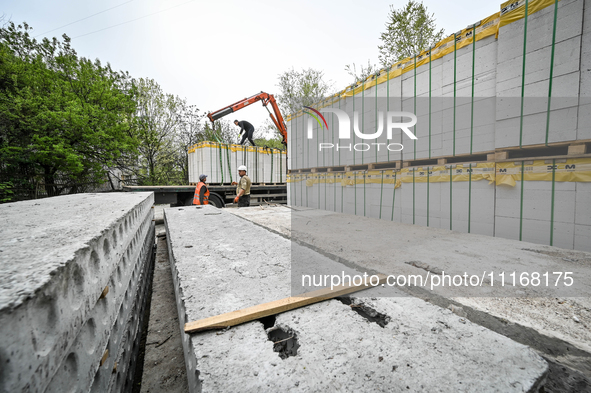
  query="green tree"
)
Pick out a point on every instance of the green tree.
point(61, 116)
point(409, 31)
point(188, 133)
point(273, 143)
point(364, 72)
point(268, 135)
point(159, 115)
point(301, 88)
point(224, 131)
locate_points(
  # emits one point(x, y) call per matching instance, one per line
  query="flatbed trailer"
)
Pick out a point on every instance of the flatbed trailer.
point(219, 194)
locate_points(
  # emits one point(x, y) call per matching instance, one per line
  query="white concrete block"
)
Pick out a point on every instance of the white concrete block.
point(507, 227)
point(536, 231)
point(583, 203)
point(563, 235)
point(582, 236)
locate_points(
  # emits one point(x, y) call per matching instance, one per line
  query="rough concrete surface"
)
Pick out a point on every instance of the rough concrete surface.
point(556, 326)
point(44, 235)
point(330, 346)
point(72, 279)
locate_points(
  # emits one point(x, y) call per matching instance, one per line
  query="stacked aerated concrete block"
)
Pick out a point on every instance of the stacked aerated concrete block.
point(511, 128)
point(74, 276)
point(584, 130)
point(541, 211)
point(582, 227)
point(220, 163)
point(465, 206)
point(544, 211)
point(494, 94)
point(526, 86)
point(392, 94)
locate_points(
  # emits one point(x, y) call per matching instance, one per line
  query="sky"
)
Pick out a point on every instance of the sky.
point(214, 53)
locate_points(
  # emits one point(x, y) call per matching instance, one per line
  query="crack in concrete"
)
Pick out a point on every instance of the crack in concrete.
point(365, 311)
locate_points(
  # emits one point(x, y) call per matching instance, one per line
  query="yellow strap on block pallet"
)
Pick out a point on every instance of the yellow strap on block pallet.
point(571, 170)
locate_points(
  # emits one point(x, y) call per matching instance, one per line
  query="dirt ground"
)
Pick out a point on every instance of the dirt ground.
point(164, 363)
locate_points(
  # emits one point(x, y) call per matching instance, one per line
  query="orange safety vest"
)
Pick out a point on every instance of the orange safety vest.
point(196, 196)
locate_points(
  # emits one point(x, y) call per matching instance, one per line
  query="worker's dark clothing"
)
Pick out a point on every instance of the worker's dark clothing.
point(248, 130)
point(244, 184)
point(201, 196)
point(244, 201)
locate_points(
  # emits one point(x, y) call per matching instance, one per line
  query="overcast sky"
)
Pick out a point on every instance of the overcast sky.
point(214, 53)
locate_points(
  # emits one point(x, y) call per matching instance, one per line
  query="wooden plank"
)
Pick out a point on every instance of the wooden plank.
point(544, 145)
point(519, 159)
point(441, 161)
point(501, 155)
point(577, 149)
point(275, 307)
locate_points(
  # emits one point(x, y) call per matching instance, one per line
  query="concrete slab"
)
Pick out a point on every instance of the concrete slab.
point(330, 347)
point(72, 284)
point(554, 325)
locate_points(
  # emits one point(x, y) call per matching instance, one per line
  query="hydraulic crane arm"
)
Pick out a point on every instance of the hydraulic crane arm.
point(266, 99)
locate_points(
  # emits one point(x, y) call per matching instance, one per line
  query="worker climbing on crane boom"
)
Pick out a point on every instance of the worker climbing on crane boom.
point(248, 130)
point(265, 99)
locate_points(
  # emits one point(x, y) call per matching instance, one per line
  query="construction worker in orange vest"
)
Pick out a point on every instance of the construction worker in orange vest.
point(201, 196)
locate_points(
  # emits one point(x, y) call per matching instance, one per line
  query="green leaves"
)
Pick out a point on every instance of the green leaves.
point(301, 88)
point(364, 72)
point(60, 115)
point(409, 31)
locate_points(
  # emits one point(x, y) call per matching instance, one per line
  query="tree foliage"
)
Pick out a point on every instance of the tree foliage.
point(268, 135)
point(159, 118)
point(189, 132)
point(409, 31)
point(301, 88)
point(364, 72)
point(60, 115)
point(69, 123)
point(224, 131)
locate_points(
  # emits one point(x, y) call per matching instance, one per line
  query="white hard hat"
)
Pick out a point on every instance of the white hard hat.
point(242, 168)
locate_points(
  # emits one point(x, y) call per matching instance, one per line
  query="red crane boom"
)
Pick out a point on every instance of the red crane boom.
point(266, 99)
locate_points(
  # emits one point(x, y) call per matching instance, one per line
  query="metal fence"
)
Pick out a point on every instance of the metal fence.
point(13, 189)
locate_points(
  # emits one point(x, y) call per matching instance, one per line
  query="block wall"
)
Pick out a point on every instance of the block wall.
point(524, 81)
point(539, 201)
point(517, 79)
